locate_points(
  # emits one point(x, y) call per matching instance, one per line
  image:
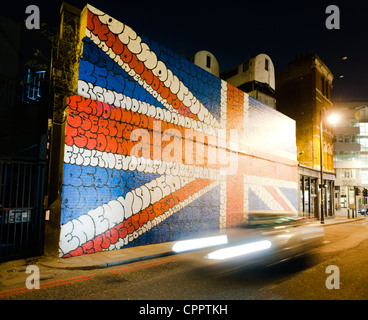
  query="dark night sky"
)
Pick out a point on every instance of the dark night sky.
point(237, 30)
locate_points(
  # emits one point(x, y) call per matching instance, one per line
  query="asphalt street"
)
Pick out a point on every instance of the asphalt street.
point(188, 276)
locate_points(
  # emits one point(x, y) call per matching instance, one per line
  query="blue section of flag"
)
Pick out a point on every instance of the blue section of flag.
point(205, 86)
point(291, 195)
point(99, 69)
point(255, 202)
point(86, 188)
point(193, 221)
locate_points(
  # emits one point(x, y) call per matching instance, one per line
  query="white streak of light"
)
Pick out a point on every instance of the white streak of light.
point(193, 244)
point(239, 250)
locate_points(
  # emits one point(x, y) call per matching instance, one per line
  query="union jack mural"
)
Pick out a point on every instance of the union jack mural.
point(139, 144)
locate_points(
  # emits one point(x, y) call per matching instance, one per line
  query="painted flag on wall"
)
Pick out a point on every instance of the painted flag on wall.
point(158, 149)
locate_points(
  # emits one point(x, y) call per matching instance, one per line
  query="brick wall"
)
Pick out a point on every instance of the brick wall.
point(157, 149)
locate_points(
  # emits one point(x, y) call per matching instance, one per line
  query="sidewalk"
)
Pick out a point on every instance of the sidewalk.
point(342, 218)
point(129, 255)
point(109, 258)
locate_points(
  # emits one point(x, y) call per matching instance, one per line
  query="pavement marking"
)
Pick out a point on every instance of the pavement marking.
point(45, 285)
point(49, 284)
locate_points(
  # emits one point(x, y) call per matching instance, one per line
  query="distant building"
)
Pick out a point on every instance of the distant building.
point(256, 77)
point(303, 92)
point(23, 91)
point(207, 61)
point(351, 153)
point(24, 129)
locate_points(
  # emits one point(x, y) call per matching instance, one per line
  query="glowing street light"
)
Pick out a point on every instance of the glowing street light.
point(333, 118)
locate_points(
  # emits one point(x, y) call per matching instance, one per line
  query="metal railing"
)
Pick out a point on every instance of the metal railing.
point(21, 223)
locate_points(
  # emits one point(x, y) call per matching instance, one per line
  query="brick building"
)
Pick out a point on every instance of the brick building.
point(303, 92)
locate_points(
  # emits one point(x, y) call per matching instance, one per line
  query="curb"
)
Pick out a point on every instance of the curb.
point(66, 266)
point(344, 221)
point(131, 260)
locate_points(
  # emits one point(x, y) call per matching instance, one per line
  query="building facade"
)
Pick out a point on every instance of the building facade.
point(303, 92)
point(207, 61)
point(23, 92)
point(24, 128)
point(351, 154)
point(154, 148)
point(256, 77)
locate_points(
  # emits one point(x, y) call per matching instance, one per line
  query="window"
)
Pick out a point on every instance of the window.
point(363, 129)
point(32, 85)
point(326, 90)
point(266, 64)
point(364, 160)
point(245, 66)
point(323, 85)
point(364, 144)
point(208, 62)
point(364, 176)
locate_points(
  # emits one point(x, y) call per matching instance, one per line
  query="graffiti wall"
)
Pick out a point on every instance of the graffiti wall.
point(157, 149)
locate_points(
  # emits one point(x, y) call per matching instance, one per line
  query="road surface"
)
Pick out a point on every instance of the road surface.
point(189, 276)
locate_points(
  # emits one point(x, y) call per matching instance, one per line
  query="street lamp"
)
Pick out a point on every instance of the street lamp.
point(333, 119)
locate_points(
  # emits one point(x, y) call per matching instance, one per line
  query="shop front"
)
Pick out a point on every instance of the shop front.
point(310, 193)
